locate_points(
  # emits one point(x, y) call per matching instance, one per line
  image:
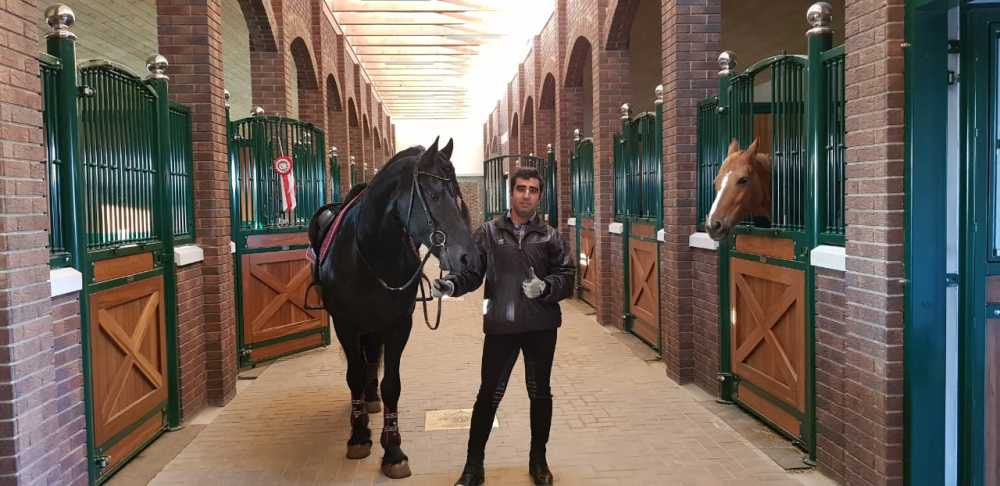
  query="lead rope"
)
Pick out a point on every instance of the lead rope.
point(423, 295)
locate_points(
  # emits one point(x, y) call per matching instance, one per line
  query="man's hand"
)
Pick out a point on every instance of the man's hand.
point(533, 287)
point(441, 287)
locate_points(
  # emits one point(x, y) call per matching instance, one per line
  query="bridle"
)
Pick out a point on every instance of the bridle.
point(437, 239)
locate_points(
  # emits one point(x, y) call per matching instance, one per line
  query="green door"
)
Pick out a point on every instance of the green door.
point(979, 348)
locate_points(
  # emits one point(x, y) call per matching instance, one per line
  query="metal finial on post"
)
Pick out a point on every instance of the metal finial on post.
point(626, 111)
point(60, 18)
point(659, 94)
point(225, 94)
point(548, 148)
point(257, 111)
point(353, 160)
point(157, 67)
point(727, 61)
point(820, 16)
point(333, 151)
point(576, 135)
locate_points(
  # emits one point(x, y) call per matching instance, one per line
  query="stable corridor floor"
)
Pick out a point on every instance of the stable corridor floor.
point(618, 420)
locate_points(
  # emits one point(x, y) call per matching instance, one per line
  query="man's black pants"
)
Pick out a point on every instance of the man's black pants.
point(499, 355)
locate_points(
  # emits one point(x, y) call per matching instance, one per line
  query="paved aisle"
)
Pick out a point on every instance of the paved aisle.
point(618, 420)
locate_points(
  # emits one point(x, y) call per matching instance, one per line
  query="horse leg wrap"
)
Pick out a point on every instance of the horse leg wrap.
point(359, 415)
point(390, 431)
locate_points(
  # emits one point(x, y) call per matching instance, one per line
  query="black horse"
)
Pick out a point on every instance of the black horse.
point(368, 279)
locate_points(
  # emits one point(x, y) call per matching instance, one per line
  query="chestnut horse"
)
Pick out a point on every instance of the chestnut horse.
point(742, 188)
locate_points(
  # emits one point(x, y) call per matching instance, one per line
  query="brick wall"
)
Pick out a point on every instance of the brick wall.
point(472, 192)
point(123, 31)
point(704, 319)
point(690, 36)
point(191, 339)
point(190, 37)
point(71, 434)
point(830, 359)
point(236, 59)
point(874, 347)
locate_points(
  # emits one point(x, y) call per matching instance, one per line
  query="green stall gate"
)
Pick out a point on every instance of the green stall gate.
point(272, 272)
point(496, 171)
point(582, 205)
point(119, 163)
point(638, 213)
point(795, 106)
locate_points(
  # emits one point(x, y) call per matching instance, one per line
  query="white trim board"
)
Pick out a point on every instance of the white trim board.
point(703, 241)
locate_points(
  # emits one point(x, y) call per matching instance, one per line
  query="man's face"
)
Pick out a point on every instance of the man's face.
point(526, 196)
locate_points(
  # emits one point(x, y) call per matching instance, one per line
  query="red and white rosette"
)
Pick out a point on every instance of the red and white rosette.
point(283, 166)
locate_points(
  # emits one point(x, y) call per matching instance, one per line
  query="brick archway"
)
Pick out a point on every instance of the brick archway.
point(545, 132)
point(310, 99)
point(528, 127)
point(355, 141)
point(336, 128)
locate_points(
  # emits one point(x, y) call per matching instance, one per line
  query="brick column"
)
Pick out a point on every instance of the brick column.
point(41, 440)
point(690, 47)
point(873, 382)
point(190, 37)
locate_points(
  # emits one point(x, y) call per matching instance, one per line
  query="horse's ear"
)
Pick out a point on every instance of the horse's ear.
point(428, 157)
point(734, 147)
point(752, 149)
point(446, 151)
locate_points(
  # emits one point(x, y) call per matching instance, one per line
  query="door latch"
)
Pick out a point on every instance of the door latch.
point(951, 280)
point(102, 462)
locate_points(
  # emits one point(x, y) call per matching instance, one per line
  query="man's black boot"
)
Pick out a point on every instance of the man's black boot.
point(540, 473)
point(472, 475)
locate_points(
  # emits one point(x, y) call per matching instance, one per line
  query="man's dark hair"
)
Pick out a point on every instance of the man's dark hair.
point(526, 173)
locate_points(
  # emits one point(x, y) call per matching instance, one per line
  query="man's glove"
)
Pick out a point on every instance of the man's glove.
point(533, 286)
point(442, 287)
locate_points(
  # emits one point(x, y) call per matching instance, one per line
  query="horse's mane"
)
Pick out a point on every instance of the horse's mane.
point(357, 188)
point(409, 152)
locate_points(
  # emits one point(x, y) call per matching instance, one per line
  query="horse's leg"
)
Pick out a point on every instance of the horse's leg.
point(371, 344)
point(359, 445)
point(394, 462)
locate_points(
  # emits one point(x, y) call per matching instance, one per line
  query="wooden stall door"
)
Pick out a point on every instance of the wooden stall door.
point(276, 321)
point(768, 340)
point(644, 283)
point(587, 272)
point(129, 365)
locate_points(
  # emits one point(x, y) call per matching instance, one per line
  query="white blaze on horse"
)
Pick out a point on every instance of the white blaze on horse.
point(742, 188)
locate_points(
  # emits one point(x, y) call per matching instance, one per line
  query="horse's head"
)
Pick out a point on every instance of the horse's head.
point(439, 195)
point(742, 188)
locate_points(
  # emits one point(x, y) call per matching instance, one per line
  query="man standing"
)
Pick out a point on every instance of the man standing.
point(528, 270)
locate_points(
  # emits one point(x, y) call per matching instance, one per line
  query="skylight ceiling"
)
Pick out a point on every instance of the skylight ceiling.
point(427, 57)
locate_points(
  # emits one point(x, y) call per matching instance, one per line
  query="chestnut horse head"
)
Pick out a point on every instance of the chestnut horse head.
point(742, 188)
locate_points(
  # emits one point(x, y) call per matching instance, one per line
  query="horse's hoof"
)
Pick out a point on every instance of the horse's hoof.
point(373, 407)
point(359, 451)
point(396, 471)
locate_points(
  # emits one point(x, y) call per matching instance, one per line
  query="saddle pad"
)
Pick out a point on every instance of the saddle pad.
point(328, 238)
